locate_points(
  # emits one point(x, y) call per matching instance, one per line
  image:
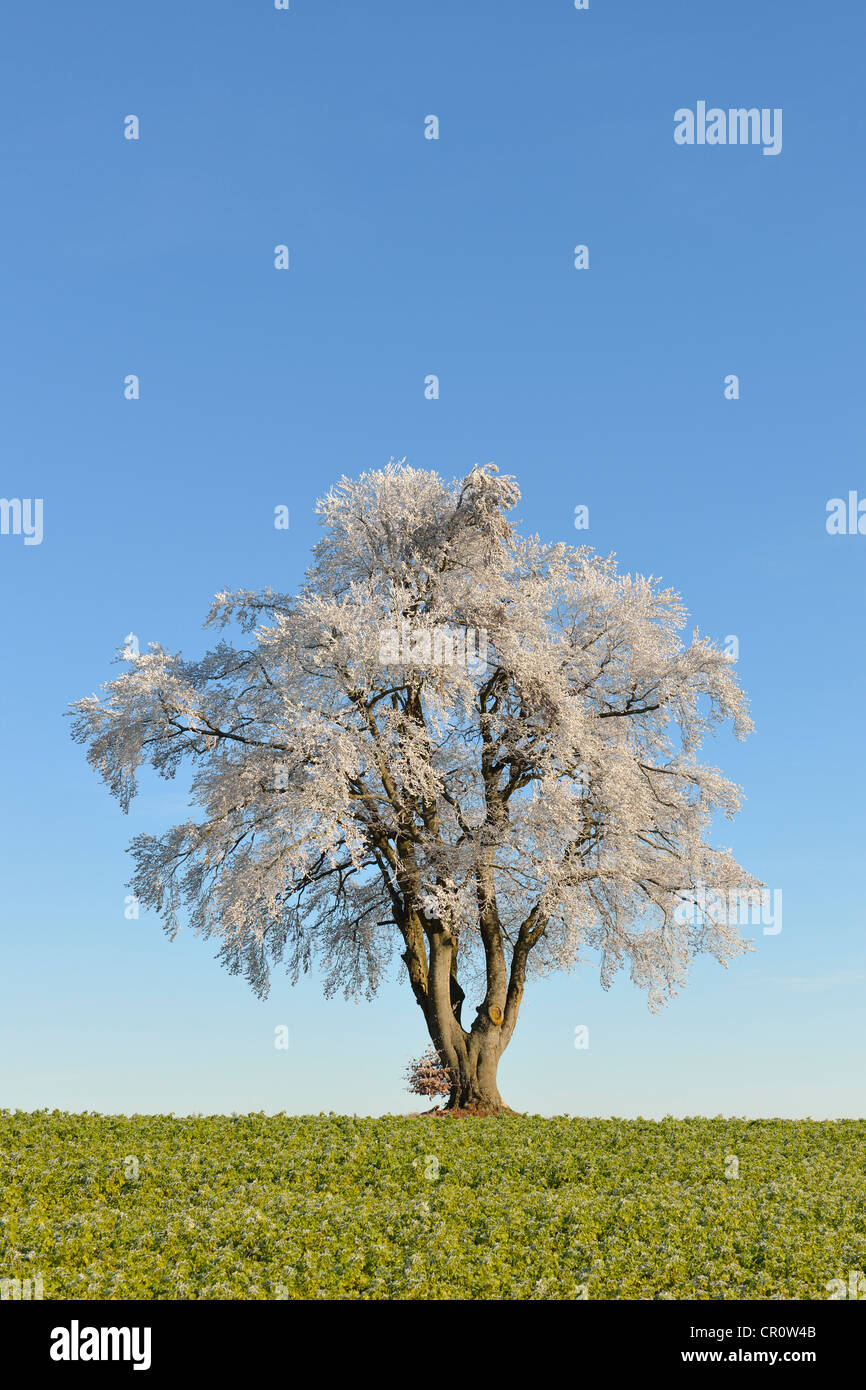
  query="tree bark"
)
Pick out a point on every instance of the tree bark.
point(474, 1085)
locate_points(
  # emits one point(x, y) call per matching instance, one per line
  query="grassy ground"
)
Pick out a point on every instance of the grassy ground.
point(327, 1206)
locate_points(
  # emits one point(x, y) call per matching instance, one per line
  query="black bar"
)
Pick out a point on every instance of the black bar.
point(650, 1337)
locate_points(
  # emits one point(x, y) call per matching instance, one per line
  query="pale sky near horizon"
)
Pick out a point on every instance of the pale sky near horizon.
point(601, 387)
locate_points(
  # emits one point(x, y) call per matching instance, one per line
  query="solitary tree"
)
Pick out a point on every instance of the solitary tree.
point(476, 747)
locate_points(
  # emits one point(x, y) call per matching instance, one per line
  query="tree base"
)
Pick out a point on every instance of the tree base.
point(467, 1112)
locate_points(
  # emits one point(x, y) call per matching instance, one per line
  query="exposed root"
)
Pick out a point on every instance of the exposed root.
point(458, 1112)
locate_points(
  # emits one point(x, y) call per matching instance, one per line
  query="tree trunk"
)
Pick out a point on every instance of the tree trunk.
point(471, 1056)
point(476, 1089)
point(474, 1077)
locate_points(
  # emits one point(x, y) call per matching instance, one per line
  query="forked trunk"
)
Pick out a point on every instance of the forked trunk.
point(471, 1056)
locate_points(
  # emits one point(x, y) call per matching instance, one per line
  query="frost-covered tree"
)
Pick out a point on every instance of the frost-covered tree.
point(367, 780)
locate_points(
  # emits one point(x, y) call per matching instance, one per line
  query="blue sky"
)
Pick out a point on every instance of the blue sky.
point(602, 387)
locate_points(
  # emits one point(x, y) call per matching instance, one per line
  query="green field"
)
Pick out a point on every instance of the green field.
point(327, 1206)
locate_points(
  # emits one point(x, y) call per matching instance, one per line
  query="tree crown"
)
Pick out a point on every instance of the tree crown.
point(361, 782)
